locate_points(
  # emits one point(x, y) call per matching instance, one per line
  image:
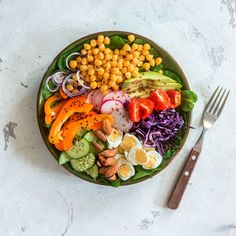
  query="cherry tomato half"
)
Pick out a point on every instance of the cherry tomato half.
point(134, 110)
point(146, 107)
point(161, 99)
point(175, 98)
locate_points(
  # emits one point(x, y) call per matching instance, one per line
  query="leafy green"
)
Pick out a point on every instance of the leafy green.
point(188, 100)
point(154, 52)
point(172, 76)
point(156, 68)
point(117, 42)
point(116, 183)
point(63, 158)
point(93, 171)
point(167, 154)
point(45, 92)
point(140, 174)
point(139, 41)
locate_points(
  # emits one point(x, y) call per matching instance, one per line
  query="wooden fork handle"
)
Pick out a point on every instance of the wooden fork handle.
point(182, 182)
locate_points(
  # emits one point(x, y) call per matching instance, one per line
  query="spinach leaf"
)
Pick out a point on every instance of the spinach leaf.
point(156, 68)
point(139, 41)
point(154, 52)
point(117, 42)
point(45, 92)
point(116, 183)
point(188, 100)
point(140, 174)
point(167, 154)
point(173, 76)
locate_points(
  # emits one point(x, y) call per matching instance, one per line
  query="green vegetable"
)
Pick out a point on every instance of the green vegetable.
point(79, 150)
point(84, 163)
point(93, 172)
point(172, 76)
point(140, 174)
point(116, 183)
point(117, 42)
point(188, 100)
point(154, 52)
point(156, 68)
point(63, 158)
point(139, 41)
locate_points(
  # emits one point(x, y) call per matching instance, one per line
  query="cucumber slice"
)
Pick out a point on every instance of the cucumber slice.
point(90, 136)
point(81, 149)
point(93, 171)
point(83, 163)
point(63, 158)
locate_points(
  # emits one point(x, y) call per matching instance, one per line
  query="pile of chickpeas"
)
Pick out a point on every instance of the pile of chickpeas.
point(106, 69)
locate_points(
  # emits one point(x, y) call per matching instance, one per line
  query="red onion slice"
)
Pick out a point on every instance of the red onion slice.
point(82, 81)
point(67, 60)
point(58, 77)
point(81, 91)
point(48, 87)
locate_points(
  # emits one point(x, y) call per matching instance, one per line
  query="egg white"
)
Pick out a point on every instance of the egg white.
point(157, 157)
point(132, 170)
point(132, 153)
point(115, 143)
point(136, 141)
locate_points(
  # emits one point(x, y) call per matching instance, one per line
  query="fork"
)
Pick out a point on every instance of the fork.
point(211, 114)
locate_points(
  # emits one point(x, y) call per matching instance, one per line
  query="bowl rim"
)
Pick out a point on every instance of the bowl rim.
point(183, 76)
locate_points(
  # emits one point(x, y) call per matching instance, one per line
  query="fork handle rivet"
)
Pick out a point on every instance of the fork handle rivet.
point(194, 157)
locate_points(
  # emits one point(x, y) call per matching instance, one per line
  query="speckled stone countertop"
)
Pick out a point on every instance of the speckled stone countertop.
point(37, 197)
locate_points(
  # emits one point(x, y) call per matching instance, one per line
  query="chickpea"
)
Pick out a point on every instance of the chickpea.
point(104, 62)
point(139, 63)
point(100, 38)
point(146, 46)
point(119, 65)
point(115, 57)
point(90, 58)
point(119, 79)
point(146, 66)
point(89, 67)
point(91, 72)
point(107, 40)
point(131, 37)
point(113, 77)
point(78, 59)
point(135, 61)
point(158, 60)
point(116, 51)
point(89, 52)
point(126, 63)
point(84, 73)
point(83, 52)
point(112, 83)
point(124, 70)
point(106, 76)
point(93, 85)
point(107, 50)
point(121, 60)
point(145, 52)
point(130, 68)
point(136, 54)
point(69, 87)
point(74, 77)
point(122, 52)
point(126, 47)
point(87, 78)
point(101, 47)
point(93, 78)
point(99, 76)
point(95, 51)
point(135, 74)
point(104, 88)
point(128, 75)
point(83, 67)
point(141, 57)
point(100, 71)
point(87, 46)
point(73, 64)
point(130, 57)
point(108, 57)
point(140, 48)
point(93, 43)
point(108, 66)
point(84, 61)
point(98, 62)
point(116, 87)
point(105, 93)
point(134, 46)
point(113, 63)
point(99, 84)
point(152, 62)
point(101, 56)
point(115, 70)
point(149, 57)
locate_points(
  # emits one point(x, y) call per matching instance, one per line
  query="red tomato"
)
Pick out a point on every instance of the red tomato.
point(175, 98)
point(134, 110)
point(146, 107)
point(160, 99)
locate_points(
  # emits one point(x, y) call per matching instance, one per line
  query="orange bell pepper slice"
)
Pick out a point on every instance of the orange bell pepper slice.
point(62, 93)
point(92, 122)
point(73, 105)
point(49, 118)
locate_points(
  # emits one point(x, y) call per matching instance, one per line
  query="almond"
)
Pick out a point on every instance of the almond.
point(109, 153)
point(106, 126)
point(97, 146)
point(102, 159)
point(100, 135)
point(111, 170)
point(102, 170)
point(110, 161)
point(99, 164)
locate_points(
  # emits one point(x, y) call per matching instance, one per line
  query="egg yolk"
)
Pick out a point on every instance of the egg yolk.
point(124, 170)
point(115, 134)
point(151, 162)
point(128, 143)
point(141, 156)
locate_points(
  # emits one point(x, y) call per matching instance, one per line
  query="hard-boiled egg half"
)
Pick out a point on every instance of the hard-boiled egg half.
point(114, 139)
point(154, 160)
point(125, 170)
point(130, 141)
point(138, 156)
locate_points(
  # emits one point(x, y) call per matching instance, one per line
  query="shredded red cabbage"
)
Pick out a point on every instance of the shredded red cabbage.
point(158, 129)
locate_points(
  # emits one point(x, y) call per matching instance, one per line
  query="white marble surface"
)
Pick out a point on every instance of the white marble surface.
point(37, 197)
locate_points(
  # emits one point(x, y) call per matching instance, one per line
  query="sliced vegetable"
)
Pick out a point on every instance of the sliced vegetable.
point(93, 172)
point(110, 106)
point(93, 122)
point(146, 107)
point(58, 77)
point(118, 96)
point(98, 99)
point(175, 98)
point(51, 86)
point(160, 99)
point(134, 110)
point(121, 120)
point(82, 81)
point(80, 149)
point(73, 105)
point(84, 163)
point(69, 57)
point(62, 93)
point(63, 158)
point(91, 95)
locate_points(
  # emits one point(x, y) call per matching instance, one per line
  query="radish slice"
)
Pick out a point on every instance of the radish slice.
point(118, 96)
point(91, 95)
point(110, 106)
point(97, 99)
point(121, 120)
